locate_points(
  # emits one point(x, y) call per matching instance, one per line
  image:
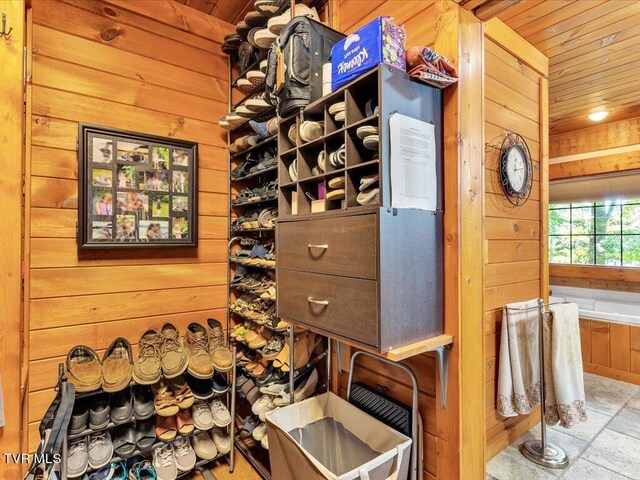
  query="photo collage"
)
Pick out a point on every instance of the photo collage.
point(139, 192)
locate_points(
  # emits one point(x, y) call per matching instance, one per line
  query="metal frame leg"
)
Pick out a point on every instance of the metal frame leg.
point(442, 354)
point(232, 426)
point(292, 339)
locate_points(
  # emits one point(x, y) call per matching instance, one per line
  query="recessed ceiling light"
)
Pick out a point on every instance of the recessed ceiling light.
point(597, 116)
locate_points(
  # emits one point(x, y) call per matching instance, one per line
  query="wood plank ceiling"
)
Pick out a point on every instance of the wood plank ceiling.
point(593, 48)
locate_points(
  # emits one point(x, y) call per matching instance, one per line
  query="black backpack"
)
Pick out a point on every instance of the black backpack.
point(294, 64)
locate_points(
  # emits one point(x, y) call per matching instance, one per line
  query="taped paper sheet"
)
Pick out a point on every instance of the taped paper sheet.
point(414, 182)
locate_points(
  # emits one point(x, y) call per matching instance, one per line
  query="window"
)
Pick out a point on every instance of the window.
point(600, 233)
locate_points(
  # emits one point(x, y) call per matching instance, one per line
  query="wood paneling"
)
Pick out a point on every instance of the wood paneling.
point(592, 48)
point(514, 237)
point(611, 349)
point(595, 166)
point(121, 64)
point(11, 142)
point(598, 272)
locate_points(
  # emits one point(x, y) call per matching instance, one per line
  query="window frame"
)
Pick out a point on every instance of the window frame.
point(593, 234)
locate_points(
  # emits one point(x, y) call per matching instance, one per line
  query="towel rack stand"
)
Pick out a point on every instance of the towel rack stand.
point(541, 451)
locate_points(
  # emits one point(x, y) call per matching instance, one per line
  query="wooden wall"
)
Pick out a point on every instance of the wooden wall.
point(611, 349)
point(152, 67)
point(514, 252)
point(11, 230)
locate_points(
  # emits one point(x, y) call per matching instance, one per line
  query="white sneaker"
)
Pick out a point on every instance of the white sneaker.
point(263, 405)
point(204, 446)
point(185, 456)
point(201, 414)
point(164, 462)
point(221, 416)
point(303, 391)
point(259, 432)
point(221, 440)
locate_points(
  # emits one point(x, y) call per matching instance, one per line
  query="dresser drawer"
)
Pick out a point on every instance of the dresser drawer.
point(337, 246)
point(344, 306)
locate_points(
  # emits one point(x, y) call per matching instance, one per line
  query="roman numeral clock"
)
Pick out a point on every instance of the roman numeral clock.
point(515, 169)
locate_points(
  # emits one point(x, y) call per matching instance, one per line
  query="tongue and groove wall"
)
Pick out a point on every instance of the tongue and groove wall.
point(153, 67)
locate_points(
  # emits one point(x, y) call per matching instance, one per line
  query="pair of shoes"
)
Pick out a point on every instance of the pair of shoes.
point(87, 373)
point(113, 471)
point(93, 451)
point(159, 353)
point(117, 408)
point(369, 136)
point(337, 111)
point(168, 428)
point(262, 406)
point(169, 396)
point(207, 415)
point(172, 458)
point(310, 130)
point(369, 191)
point(208, 445)
point(205, 389)
point(304, 345)
point(141, 469)
point(127, 438)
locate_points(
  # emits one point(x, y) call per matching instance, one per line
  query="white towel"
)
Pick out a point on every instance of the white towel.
point(564, 379)
point(519, 368)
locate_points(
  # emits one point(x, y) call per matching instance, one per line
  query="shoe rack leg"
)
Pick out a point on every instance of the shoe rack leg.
point(291, 363)
point(329, 360)
point(232, 426)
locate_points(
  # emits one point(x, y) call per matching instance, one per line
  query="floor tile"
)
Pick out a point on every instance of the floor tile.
point(510, 464)
point(627, 422)
point(617, 452)
point(607, 395)
point(588, 430)
point(584, 470)
point(635, 401)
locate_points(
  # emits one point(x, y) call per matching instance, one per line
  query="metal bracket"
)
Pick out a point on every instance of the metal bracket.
point(443, 370)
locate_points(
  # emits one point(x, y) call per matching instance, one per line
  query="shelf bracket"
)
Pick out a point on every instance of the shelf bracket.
point(442, 354)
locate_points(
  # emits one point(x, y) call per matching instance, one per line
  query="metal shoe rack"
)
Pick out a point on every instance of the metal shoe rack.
point(201, 464)
point(254, 453)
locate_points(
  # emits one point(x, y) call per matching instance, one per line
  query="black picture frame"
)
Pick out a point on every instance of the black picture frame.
point(136, 190)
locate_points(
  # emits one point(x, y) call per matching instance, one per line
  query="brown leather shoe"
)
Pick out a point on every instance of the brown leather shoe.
point(147, 368)
point(221, 357)
point(117, 366)
point(181, 392)
point(83, 369)
point(196, 344)
point(164, 400)
point(173, 357)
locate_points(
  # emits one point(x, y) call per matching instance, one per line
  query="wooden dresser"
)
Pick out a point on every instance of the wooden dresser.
point(369, 275)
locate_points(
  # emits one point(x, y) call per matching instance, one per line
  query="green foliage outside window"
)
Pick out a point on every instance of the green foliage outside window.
point(600, 233)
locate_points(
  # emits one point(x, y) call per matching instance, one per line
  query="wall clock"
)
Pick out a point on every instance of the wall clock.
point(515, 169)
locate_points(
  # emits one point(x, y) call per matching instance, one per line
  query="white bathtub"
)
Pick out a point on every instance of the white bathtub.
point(606, 305)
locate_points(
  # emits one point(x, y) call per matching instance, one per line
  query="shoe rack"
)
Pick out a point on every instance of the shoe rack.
point(201, 464)
point(252, 450)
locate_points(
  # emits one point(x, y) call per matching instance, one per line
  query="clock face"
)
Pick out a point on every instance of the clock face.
point(516, 169)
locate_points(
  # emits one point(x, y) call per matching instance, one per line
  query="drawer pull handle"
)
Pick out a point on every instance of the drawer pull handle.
point(323, 246)
point(318, 302)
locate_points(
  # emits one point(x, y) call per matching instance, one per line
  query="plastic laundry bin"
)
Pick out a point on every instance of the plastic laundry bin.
point(327, 437)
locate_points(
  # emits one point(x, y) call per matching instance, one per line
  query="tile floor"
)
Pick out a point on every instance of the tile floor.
point(605, 447)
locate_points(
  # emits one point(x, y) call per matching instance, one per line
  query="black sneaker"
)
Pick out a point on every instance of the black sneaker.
point(219, 383)
point(79, 418)
point(202, 389)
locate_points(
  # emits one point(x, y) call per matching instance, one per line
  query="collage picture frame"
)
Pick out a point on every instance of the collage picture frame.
point(136, 190)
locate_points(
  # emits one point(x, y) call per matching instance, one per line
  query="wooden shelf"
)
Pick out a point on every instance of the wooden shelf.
point(417, 348)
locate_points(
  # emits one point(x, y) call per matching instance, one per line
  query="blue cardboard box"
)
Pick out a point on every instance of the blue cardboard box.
point(379, 41)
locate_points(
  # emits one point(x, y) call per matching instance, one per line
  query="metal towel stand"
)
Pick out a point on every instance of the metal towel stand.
point(541, 451)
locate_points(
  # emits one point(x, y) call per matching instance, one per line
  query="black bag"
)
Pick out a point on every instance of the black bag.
point(294, 66)
point(53, 429)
